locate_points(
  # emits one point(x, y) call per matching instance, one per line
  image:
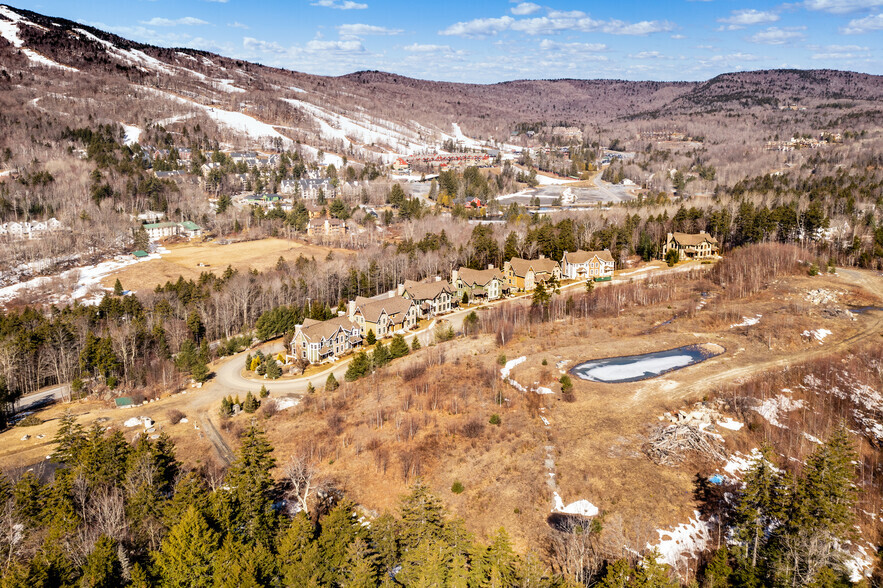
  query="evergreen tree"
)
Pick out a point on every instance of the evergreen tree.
point(300, 562)
point(415, 343)
point(718, 570)
point(243, 565)
point(251, 404)
point(380, 357)
point(263, 392)
point(422, 516)
point(274, 372)
point(339, 529)
point(248, 360)
point(359, 366)
point(331, 384)
point(200, 371)
point(186, 556)
point(252, 483)
point(28, 499)
point(118, 288)
point(757, 505)
point(68, 439)
point(398, 347)
point(652, 574)
point(102, 568)
point(370, 338)
point(361, 565)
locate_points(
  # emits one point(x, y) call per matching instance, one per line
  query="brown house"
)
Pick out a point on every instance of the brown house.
point(699, 245)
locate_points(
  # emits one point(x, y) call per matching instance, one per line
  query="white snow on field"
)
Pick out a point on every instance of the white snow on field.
point(747, 321)
point(507, 369)
point(815, 440)
point(860, 564)
point(773, 408)
point(580, 507)
point(519, 194)
point(738, 463)
point(298, 90)
point(284, 403)
point(362, 130)
point(9, 30)
point(730, 424)
point(88, 289)
point(684, 541)
point(550, 181)
point(463, 139)
point(636, 369)
point(139, 421)
point(43, 60)
point(541, 390)
point(174, 119)
point(818, 334)
point(867, 399)
point(226, 86)
point(132, 134)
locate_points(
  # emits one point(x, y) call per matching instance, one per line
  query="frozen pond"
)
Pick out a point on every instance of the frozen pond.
point(632, 368)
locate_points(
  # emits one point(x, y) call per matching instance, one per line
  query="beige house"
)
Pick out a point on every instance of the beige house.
point(524, 274)
point(326, 226)
point(488, 283)
point(583, 265)
point(384, 316)
point(318, 341)
point(432, 297)
point(699, 245)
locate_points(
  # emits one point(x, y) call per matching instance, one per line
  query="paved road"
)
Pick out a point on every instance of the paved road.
point(53, 394)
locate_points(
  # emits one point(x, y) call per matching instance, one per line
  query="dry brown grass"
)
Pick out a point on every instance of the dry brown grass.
point(182, 260)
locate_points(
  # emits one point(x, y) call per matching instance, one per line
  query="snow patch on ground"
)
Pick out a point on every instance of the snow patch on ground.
point(730, 424)
point(687, 540)
point(132, 134)
point(507, 369)
point(818, 334)
point(747, 321)
point(637, 369)
point(773, 408)
point(580, 507)
point(9, 30)
point(43, 60)
point(542, 390)
point(226, 86)
point(738, 463)
point(285, 403)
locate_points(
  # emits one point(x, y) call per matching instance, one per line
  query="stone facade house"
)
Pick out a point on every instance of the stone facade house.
point(699, 245)
point(318, 341)
point(384, 316)
point(432, 297)
point(487, 284)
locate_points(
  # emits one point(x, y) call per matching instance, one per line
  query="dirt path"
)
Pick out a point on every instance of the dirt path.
point(211, 433)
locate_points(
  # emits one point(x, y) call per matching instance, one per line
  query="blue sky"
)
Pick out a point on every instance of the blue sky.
point(490, 41)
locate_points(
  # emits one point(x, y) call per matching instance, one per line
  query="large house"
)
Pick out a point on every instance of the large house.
point(318, 341)
point(326, 226)
point(584, 265)
point(488, 283)
point(432, 297)
point(525, 274)
point(310, 188)
point(699, 245)
point(384, 316)
point(157, 231)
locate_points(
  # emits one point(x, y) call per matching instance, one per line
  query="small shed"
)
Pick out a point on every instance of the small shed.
point(124, 402)
point(140, 254)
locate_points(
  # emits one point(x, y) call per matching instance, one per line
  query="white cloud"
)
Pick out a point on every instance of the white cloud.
point(479, 28)
point(554, 22)
point(647, 55)
point(860, 26)
point(263, 46)
point(549, 45)
point(777, 36)
point(186, 21)
point(238, 25)
point(342, 46)
point(525, 8)
point(678, 36)
point(356, 30)
point(742, 18)
point(337, 4)
point(841, 6)
point(427, 48)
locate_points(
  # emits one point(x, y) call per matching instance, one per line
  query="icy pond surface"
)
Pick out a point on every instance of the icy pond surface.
point(632, 368)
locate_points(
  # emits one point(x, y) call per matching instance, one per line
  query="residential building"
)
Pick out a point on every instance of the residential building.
point(384, 316)
point(29, 229)
point(433, 297)
point(318, 341)
point(699, 245)
point(488, 284)
point(309, 188)
point(524, 274)
point(583, 265)
point(326, 227)
point(157, 231)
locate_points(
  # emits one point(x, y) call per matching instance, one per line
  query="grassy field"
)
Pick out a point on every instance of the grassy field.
point(183, 260)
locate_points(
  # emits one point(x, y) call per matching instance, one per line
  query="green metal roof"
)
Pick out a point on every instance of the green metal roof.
point(159, 225)
point(124, 401)
point(191, 226)
point(140, 253)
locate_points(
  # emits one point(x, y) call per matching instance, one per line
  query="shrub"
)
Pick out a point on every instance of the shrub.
point(672, 257)
point(264, 392)
point(415, 343)
point(457, 488)
point(269, 408)
point(398, 347)
point(813, 270)
point(501, 359)
point(251, 403)
point(30, 421)
point(495, 419)
point(331, 384)
point(545, 361)
point(175, 416)
point(472, 429)
point(370, 338)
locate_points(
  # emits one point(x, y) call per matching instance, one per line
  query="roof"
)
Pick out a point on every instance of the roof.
point(579, 257)
point(472, 277)
point(191, 226)
point(395, 307)
point(693, 239)
point(521, 266)
point(139, 253)
point(124, 401)
point(426, 290)
point(159, 225)
point(317, 330)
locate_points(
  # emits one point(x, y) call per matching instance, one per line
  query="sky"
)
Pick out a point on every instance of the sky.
point(488, 41)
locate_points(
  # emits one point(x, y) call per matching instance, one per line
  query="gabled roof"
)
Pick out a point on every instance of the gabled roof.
point(472, 277)
point(395, 307)
point(314, 330)
point(521, 266)
point(426, 290)
point(580, 257)
point(693, 239)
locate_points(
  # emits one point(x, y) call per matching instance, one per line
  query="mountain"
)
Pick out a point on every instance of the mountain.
point(367, 115)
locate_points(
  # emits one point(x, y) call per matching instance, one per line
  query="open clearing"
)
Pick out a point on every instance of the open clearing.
point(183, 260)
point(374, 436)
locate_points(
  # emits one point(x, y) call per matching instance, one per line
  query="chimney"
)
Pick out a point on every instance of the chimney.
point(455, 275)
point(401, 290)
point(542, 256)
point(351, 308)
point(490, 266)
